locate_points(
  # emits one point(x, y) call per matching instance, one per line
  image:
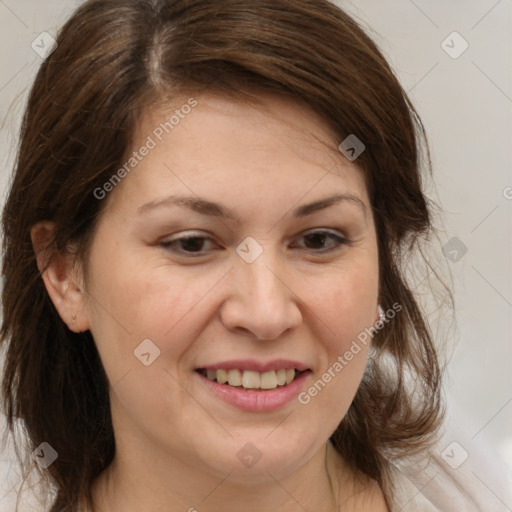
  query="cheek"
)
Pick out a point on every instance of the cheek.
point(347, 306)
point(139, 299)
point(333, 389)
point(346, 300)
point(155, 303)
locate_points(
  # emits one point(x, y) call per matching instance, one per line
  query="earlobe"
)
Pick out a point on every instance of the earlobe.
point(58, 272)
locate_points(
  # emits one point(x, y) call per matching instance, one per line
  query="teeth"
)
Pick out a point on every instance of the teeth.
point(281, 377)
point(222, 376)
point(290, 375)
point(234, 378)
point(269, 380)
point(249, 379)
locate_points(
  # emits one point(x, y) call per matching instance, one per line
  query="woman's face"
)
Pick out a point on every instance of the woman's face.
point(270, 279)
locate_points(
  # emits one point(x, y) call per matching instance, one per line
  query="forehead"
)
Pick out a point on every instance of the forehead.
point(210, 142)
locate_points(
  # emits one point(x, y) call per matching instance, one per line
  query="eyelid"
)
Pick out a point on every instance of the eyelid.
point(329, 231)
point(188, 234)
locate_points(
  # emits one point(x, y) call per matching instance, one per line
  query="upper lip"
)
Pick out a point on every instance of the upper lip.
point(255, 365)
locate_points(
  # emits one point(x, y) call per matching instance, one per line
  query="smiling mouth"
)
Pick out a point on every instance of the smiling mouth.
point(251, 380)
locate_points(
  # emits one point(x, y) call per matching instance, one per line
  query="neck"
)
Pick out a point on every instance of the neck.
point(128, 485)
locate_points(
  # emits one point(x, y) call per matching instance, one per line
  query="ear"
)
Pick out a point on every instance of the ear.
point(61, 277)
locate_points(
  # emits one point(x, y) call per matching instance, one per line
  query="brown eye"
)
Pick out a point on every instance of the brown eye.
point(191, 245)
point(316, 241)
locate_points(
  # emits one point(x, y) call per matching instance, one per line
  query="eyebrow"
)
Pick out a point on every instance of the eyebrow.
point(209, 208)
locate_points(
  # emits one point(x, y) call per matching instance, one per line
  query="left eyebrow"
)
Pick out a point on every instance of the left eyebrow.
point(206, 207)
point(308, 209)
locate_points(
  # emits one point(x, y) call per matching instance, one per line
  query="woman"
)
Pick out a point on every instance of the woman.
point(204, 300)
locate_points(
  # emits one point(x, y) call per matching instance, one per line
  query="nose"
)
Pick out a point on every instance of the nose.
point(262, 303)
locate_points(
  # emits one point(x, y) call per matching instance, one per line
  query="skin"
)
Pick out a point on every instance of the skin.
point(176, 442)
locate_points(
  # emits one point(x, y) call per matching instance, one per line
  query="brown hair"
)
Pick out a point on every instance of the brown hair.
point(116, 57)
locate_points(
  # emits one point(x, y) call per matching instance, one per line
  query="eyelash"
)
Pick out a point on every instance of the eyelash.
point(340, 241)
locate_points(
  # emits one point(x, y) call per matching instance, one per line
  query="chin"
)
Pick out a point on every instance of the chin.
point(251, 456)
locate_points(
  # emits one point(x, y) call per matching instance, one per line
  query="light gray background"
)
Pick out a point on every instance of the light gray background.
point(466, 106)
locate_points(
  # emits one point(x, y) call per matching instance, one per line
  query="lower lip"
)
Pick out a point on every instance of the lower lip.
point(257, 401)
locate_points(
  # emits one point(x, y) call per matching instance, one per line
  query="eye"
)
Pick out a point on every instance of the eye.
point(189, 245)
point(314, 239)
